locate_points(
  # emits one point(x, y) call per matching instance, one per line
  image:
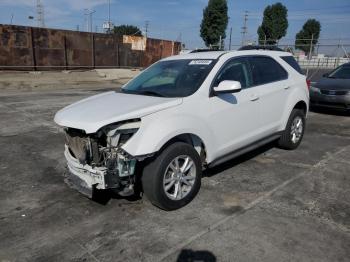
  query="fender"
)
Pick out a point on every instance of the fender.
point(157, 129)
point(296, 96)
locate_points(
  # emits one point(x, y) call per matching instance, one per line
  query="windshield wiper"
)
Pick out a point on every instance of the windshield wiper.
point(150, 92)
point(143, 92)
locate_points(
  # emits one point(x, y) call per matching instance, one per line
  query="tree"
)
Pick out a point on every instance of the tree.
point(127, 30)
point(310, 33)
point(214, 23)
point(274, 25)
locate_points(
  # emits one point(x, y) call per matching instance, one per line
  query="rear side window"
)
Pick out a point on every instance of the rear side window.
point(266, 70)
point(291, 61)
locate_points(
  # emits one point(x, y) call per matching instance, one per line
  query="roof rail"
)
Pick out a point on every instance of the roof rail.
point(203, 50)
point(260, 47)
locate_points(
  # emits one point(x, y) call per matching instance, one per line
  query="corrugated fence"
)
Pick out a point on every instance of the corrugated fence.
point(31, 48)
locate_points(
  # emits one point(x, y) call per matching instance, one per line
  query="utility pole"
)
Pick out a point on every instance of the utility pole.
point(88, 19)
point(229, 46)
point(220, 43)
point(310, 54)
point(345, 52)
point(109, 27)
point(179, 38)
point(146, 28)
point(91, 12)
point(40, 14)
point(338, 54)
point(311, 45)
point(109, 13)
point(244, 27)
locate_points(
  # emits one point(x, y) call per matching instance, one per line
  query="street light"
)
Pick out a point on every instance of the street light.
point(31, 18)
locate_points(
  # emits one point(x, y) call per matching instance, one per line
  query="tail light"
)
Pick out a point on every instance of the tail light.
point(308, 82)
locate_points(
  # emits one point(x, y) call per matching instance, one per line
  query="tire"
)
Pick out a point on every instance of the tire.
point(157, 174)
point(288, 140)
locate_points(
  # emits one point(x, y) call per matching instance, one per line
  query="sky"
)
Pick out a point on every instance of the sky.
point(180, 19)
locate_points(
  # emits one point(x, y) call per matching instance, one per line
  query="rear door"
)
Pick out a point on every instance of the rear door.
point(271, 80)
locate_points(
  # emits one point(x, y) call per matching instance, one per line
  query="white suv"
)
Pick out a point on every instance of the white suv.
point(182, 114)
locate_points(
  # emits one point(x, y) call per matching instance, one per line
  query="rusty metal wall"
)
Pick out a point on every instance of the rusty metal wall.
point(15, 45)
point(157, 49)
point(31, 48)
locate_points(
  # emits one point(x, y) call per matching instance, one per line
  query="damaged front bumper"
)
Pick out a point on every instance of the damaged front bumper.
point(85, 177)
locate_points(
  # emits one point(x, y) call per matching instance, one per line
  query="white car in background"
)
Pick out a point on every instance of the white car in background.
point(181, 115)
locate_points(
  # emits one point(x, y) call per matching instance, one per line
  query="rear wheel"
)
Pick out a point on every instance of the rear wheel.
point(173, 179)
point(294, 132)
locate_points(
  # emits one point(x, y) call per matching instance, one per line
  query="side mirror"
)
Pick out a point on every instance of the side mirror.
point(228, 86)
point(325, 75)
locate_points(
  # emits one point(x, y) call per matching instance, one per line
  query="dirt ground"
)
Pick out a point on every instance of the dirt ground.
point(57, 80)
point(268, 205)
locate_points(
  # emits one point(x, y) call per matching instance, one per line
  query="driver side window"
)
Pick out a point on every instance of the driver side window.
point(235, 70)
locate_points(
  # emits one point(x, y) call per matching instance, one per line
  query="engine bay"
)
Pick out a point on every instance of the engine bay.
point(104, 150)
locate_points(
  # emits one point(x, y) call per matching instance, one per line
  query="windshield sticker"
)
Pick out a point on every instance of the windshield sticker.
point(200, 62)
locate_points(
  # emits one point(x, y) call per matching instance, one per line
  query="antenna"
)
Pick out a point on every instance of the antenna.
point(40, 14)
point(245, 27)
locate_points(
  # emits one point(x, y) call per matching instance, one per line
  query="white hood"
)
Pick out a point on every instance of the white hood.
point(97, 111)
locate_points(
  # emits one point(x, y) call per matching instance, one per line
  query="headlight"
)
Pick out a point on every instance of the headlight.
point(120, 133)
point(315, 89)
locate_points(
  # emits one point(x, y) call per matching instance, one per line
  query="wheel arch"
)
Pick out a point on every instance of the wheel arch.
point(302, 106)
point(299, 103)
point(191, 139)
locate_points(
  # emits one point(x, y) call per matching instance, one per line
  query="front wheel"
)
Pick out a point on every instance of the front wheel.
point(294, 132)
point(173, 178)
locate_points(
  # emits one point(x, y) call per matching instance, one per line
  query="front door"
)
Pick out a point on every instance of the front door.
point(234, 118)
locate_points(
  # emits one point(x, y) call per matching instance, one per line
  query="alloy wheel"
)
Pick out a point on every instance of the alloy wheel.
point(179, 177)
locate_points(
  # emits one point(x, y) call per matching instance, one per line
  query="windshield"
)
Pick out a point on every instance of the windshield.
point(342, 72)
point(174, 78)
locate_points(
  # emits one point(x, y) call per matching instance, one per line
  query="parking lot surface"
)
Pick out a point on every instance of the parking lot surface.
point(268, 205)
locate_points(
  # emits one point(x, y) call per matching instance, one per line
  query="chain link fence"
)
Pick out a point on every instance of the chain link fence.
point(316, 58)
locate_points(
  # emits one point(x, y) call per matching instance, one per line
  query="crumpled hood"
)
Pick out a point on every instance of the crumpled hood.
point(92, 113)
point(333, 84)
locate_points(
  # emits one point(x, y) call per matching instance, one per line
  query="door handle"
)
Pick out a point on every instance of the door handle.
point(286, 87)
point(254, 98)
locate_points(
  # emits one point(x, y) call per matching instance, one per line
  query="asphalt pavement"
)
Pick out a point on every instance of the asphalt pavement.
point(268, 205)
